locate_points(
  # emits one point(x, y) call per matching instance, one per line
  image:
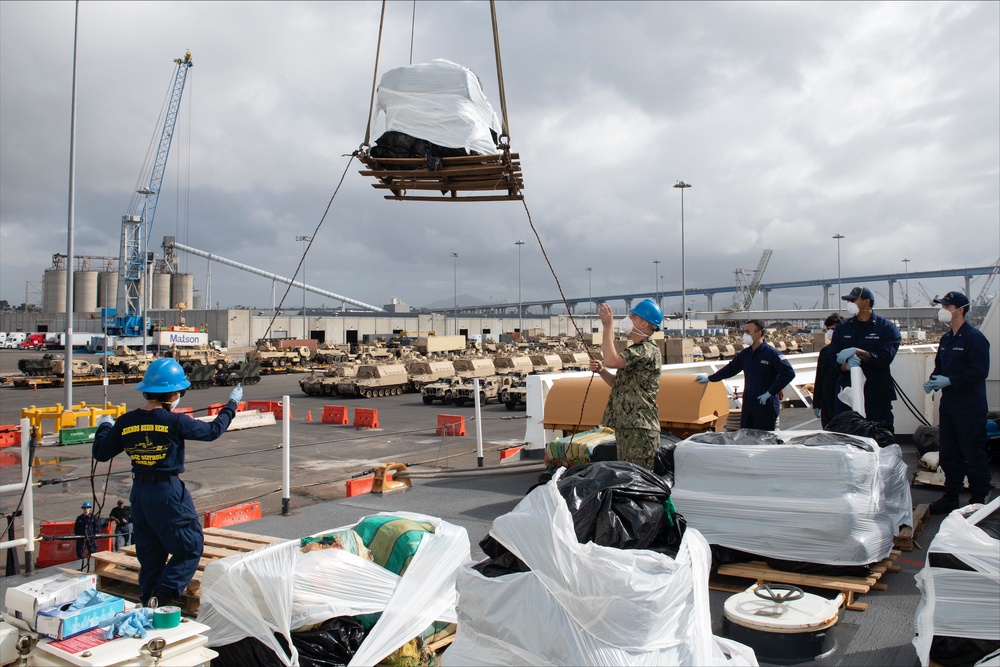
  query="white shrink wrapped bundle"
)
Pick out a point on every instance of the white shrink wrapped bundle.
point(585, 604)
point(439, 101)
point(814, 497)
point(277, 589)
point(960, 583)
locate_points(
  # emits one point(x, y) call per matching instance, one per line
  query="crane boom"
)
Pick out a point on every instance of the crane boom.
point(138, 221)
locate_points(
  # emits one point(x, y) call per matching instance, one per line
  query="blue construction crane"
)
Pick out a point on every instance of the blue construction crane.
point(138, 221)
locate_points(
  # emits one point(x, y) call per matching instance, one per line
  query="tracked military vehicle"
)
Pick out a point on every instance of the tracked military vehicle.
point(425, 372)
point(325, 384)
point(36, 367)
point(380, 380)
point(242, 372)
point(546, 363)
point(201, 377)
point(575, 361)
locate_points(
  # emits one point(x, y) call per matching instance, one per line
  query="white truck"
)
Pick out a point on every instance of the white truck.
point(13, 340)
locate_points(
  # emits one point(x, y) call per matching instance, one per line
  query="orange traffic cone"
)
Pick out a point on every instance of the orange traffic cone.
point(309, 415)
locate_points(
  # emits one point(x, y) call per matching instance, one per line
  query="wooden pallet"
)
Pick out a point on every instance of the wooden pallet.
point(906, 539)
point(118, 571)
point(487, 177)
point(848, 586)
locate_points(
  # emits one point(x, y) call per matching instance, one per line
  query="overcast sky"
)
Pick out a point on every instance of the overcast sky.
point(792, 121)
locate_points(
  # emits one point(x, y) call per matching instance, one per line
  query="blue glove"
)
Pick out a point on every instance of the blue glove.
point(764, 398)
point(88, 599)
point(816, 412)
point(701, 378)
point(853, 362)
point(846, 354)
point(237, 393)
point(105, 419)
point(132, 624)
point(928, 387)
point(937, 382)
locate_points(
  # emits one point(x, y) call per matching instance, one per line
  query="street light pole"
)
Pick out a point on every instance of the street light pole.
point(656, 279)
point(520, 315)
point(590, 293)
point(683, 186)
point(454, 257)
point(840, 300)
point(906, 297)
point(305, 240)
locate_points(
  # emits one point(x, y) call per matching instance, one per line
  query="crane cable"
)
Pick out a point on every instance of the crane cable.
point(503, 95)
point(371, 105)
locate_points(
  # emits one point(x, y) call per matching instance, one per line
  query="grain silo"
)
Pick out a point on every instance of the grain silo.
point(84, 291)
point(182, 289)
point(54, 291)
point(107, 289)
point(161, 291)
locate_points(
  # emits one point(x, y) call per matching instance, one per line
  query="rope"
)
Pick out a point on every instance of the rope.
point(503, 95)
point(371, 104)
point(909, 404)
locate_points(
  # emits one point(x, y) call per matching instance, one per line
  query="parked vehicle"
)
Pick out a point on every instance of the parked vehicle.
point(325, 384)
point(57, 341)
point(81, 368)
point(489, 387)
point(36, 367)
point(241, 372)
point(14, 339)
point(381, 380)
point(34, 341)
point(515, 396)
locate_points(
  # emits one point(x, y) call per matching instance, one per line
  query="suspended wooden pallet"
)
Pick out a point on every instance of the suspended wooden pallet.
point(468, 178)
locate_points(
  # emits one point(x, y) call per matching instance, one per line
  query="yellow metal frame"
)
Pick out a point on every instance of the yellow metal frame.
point(63, 418)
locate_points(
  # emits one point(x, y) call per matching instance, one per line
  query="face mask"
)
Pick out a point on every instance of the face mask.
point(173, 406)
point(944, 316)
point(852, 308)
point(829, 335)
point(747, 339)
point(626, 326)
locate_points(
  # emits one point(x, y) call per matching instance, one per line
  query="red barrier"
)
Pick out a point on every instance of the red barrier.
point(356, 487)
point(334, 414)
point(183, 411)
point(57, 552)
point(214, 409)
point(10, 435)
point(270, 406)
point(233, 515)
point(366, 418)
point(451, 425)
point(509, 452)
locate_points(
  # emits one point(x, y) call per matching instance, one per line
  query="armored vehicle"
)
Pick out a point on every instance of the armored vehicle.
point(242, 372)
point(489, 387)
point(374, 352)
point(325, 384)
point(329, 353)
point(575, 361)
point(81, 368)
point(442, 390)
point(516, 395)
point(201, 355)
point(270, 356)
point(127, 360)
point(201, 377)
point(381, 380)
point(511, 364)
point(425, 372)
point(546, 363)
point(36, 367)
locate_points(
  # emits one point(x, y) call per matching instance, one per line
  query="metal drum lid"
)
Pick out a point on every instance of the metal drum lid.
point(805, 613)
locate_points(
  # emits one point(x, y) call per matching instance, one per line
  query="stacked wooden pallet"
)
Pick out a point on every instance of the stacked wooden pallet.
point(118, 571)
point(487, 177)
point(906, 539)
point(848, 586)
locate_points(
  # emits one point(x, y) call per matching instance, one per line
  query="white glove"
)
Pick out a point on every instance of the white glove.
point(105, 419)
point(701, 378)
point(236, 394)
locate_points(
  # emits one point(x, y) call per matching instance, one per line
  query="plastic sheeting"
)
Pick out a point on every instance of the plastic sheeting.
point(441, 102)
point(960, 603)
point(810, 496)
point(584, 604)
point(277, 588)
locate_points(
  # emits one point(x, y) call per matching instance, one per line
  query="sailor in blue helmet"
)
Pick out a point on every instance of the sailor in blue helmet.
point(85, 527)
point(765, 373)
point(163, 516)
point(871, 342)
point(960, 369)
point(632, 411)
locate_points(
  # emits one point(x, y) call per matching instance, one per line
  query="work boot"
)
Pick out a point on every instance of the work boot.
point(945, 504)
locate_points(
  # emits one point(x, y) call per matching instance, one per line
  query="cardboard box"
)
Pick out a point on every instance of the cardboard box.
point(25, 601)
point(60, 623)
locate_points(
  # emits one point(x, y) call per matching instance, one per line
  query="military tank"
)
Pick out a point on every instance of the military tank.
point(201, 377)
point(376, 380)
point(241, 372)
point(325, 384)
point(36, 367)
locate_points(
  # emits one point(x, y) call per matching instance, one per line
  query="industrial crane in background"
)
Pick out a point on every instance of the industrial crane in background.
point(137, 222)
point(748, 285)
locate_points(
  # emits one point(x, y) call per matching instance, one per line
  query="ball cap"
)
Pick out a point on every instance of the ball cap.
point(956, 299)
point(859, 293)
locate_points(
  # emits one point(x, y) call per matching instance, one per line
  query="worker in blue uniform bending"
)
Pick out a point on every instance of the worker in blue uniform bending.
point(871, 342)
point(960, 369)
point(163, 516)
point(765, 373)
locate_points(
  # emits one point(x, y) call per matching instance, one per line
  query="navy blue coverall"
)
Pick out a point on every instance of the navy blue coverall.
point(164, 519)
point(964, 358)
point(881, 338)
point(764, 369)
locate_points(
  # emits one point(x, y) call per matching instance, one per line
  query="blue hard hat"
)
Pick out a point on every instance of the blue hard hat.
point(649, 311)
point(85, 505)
point(164, 376)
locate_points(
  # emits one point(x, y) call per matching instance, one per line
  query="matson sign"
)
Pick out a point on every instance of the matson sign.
point(168, 338)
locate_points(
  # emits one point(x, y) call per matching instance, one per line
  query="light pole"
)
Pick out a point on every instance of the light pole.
point(590, 295)
point(840, 301)
point(906, 297)
point(454, 257)
point(520, 316)
point(305, 240)
point(683, 186)
point(145, 287)
point(656, 279)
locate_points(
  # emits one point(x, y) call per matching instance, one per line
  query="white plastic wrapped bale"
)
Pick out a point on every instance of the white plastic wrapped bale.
point(277, 588)
point(809, 496)
point(960, 582)
point(584, 604)
point(439, 101)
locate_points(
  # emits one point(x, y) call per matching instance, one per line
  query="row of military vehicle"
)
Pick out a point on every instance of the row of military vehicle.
point(447, 381)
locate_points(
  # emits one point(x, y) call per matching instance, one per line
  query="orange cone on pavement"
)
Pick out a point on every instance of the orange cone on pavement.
point(309, 415)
